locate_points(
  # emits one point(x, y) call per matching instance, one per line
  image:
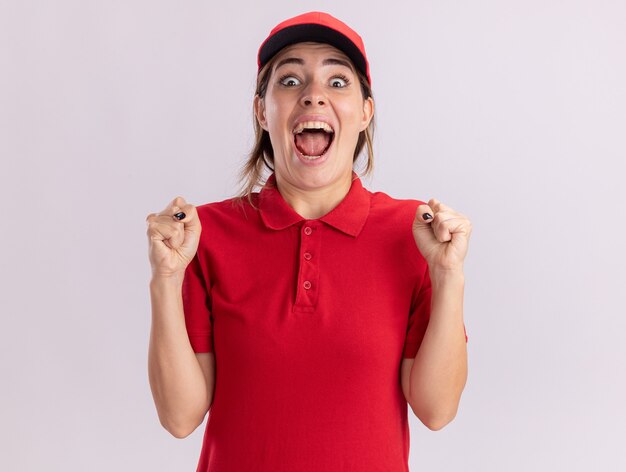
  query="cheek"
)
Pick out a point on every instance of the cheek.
point(270, 112)
point(352, 114)
point(276, 116)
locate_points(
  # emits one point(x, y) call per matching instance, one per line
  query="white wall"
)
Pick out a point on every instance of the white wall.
point(511, 112)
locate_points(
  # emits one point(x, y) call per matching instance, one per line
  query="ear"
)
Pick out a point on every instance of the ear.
point(368, 112)
point(259, 111)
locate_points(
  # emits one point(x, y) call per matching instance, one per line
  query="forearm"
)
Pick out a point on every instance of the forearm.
point(176, 379)
point(439, 372)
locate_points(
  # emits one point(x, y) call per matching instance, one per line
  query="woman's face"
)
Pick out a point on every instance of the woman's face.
point(313, 110)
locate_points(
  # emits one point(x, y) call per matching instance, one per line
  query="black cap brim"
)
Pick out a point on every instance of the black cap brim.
point(311, 32)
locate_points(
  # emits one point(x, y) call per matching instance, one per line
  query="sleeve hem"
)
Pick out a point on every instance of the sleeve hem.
point(410, 351)
point(201, 343)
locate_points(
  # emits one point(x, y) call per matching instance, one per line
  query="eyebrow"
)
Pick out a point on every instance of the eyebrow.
point(326, 62)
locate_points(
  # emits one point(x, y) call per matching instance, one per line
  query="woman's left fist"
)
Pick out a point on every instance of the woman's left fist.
point(443, 238)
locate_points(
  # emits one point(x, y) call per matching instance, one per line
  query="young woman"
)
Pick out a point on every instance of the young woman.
point(305, 317)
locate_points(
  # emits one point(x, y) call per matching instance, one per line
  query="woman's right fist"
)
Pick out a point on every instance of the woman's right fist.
point(173, 242)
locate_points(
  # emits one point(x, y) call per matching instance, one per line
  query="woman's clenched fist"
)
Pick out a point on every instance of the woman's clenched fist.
point(173, 238)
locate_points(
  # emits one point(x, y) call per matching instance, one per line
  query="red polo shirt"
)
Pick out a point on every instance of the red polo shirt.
point(309, 321)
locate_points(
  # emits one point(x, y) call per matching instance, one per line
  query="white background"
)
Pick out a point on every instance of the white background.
point(511, 112)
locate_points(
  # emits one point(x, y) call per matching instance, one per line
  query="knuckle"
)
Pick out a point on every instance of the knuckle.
point(191, 212)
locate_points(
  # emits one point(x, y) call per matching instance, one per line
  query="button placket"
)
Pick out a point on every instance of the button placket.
point(308, 274)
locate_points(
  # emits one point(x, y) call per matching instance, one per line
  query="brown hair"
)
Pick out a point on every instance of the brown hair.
point(262, 155)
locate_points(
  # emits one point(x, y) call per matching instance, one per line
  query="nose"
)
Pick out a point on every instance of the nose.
point(313, 95)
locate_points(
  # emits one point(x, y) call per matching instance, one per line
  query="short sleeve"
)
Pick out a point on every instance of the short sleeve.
point(419, 317)
point(196, 305)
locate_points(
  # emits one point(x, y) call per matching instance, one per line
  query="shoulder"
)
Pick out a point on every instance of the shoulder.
point(230, 208)
point(394, 218)
point(220, 220)
point(393, 209)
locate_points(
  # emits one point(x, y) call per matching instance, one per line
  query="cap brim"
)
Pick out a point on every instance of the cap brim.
point(311, 32)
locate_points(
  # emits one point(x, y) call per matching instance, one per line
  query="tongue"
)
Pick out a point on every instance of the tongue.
point(312, 143)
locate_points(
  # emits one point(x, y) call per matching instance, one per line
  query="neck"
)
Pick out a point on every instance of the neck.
point(314, 203)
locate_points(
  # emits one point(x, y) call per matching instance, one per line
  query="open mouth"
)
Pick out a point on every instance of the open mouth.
point(313, 138)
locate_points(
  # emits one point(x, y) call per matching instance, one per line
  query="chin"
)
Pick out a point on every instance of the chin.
point(316, 176)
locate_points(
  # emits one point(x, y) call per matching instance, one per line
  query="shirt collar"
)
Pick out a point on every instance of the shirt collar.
point(349, 216)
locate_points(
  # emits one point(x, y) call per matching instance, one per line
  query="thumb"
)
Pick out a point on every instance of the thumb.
point(188, 215)
point(423, 215)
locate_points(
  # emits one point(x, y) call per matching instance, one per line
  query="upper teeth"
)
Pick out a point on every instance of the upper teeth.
point(312, 125)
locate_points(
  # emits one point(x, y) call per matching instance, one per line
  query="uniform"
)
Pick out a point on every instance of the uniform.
point(309, 320)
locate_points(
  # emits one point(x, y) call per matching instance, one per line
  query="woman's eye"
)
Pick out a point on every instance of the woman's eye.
point(289, 81)
point(338, 82)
